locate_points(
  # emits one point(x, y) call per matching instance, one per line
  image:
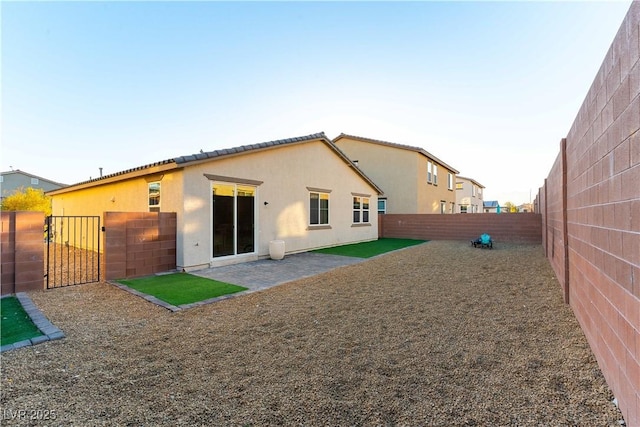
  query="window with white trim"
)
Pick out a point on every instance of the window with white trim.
point(35, 181)
point(435, 174)
point(318, 208)
point(429, 172)
point(360, 209)
point(450, 181)
point(382, 206)
point(154, 196)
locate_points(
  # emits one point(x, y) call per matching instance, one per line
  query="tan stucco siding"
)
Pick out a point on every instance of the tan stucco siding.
point(131, 195)
point(394, 170)
point(432, 194)
point(402, 175)
point(286, 174)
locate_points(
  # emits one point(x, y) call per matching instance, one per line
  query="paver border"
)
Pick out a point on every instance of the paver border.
point(171, 307)
point(49, 331)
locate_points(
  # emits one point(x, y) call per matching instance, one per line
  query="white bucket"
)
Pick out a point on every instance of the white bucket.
point(276, 249)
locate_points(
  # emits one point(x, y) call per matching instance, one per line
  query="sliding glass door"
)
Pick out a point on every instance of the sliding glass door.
point(233, 219)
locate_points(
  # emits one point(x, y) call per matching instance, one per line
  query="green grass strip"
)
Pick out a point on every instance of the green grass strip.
point(370, 249)
point(16, 323)
point(181, 288)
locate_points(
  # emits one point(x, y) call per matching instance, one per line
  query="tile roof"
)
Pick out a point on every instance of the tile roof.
point(243, 148)
point(182, 161)
point(396, 145)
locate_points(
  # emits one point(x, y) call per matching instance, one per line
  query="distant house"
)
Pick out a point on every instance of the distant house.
point(15, 180)
point(414, 180)
point(491, 206)
point(469, 195)
point(526, 208)
point(231, 203)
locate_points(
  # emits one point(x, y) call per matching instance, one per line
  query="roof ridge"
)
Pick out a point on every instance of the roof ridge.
point(247, 147)
point(396, 145)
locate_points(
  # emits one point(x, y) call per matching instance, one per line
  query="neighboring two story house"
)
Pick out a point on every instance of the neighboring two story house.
point(469, 195)
point(12, 181)
point(414, 180)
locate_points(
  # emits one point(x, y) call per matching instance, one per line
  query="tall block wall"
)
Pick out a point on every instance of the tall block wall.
point(22, 251)
point(139, 243)
point(514, 228)
point(597, 208)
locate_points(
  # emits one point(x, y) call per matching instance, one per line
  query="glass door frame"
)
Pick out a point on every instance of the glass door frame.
point(235, 253)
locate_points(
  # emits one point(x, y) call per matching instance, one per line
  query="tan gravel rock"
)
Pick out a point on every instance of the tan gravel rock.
point(438, 334)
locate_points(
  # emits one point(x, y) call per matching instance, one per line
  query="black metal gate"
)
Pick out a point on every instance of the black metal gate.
point(72, 250)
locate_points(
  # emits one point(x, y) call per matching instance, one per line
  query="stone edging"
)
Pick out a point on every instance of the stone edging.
point(172, 307)
point(49, 331)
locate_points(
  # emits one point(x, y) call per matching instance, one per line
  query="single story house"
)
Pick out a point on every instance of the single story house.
point(230, 204)
point(415, 181)
point(491, 206)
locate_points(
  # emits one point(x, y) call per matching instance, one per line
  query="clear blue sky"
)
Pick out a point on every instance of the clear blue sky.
point(488, 87)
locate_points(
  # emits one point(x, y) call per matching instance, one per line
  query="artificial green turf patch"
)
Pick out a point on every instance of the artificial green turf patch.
point(370, 249)
point(16, 323)
point(181, 288)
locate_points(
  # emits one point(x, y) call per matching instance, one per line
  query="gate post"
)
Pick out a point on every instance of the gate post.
point(29, 251)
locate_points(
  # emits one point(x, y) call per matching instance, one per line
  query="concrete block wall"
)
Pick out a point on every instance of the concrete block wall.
point(602, 216)
point(139, 243)
point(22, 252)
point(513, 228)
point(555, 236)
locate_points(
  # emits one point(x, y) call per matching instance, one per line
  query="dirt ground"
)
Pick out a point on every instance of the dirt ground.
point(439, 334)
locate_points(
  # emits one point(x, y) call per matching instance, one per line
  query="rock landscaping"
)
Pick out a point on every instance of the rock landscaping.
point(438, 334)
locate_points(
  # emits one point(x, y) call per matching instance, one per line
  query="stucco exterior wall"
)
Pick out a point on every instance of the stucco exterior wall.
point(402, 175)
point(286, 174)
point(466, 197)
point(130, 195)
point(395, 171)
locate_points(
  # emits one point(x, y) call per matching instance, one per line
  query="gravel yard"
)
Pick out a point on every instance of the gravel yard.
point(438, 334)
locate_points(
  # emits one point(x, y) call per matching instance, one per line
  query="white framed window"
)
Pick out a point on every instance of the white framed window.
point(429, 172)
point(154, 196)
point(318, 208)
point(360, 209)
point(473, 190)
point(382, 206)
point(450, 181)
point(443, 207)
point(35, 181)
point(435, 174)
